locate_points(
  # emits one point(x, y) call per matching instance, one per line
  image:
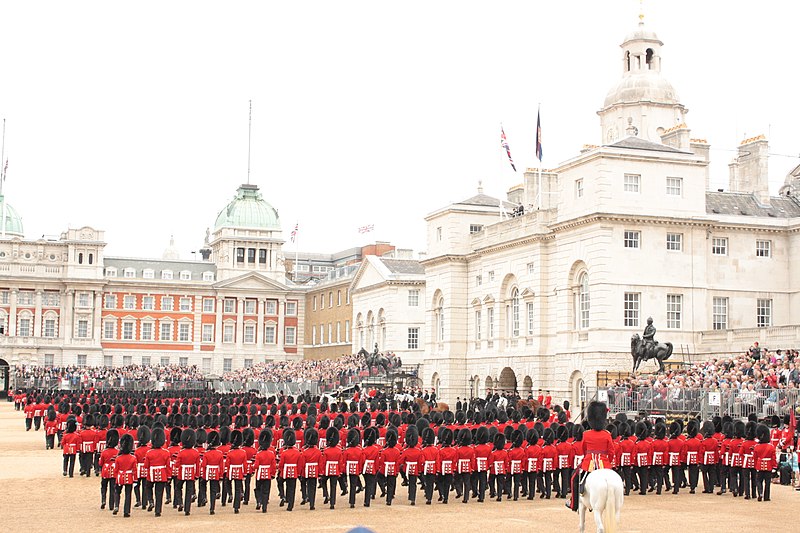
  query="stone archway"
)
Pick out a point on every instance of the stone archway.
point(577, 392)
point(489, 384)
point(508, 380)
point(5, 371)
point(527, 386)
point(435, 381)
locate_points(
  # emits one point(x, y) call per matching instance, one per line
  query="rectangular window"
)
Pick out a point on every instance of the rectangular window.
point(129, 301)
point(164, 360)
point(262, 256)
point(322, 333)
point(330, 333)
point(109, 329)
point(719, 317)
point(249, 307)
point(185, 275)
point(148, 303)
point(81, 360)
point(83, 329)
point(127, 330)
point(166, 274)
point(763, 312)
point(208, 305)
point(166, 303)
point(632, 183)
point(110, 301)
point(674, 186)
point(83, 299)
point(184, 330)
point(491, 276)
point(227, 333)
point(631, 309)
point(314, 303)
point(269, 334)
point(4, 298)
point(291, 308)
point(338, 297)
point(490, 323)
point(313, 335)
point(208, 276)
point(250, 333)
point(579, 188)
point(24, 327)
point(763, 248)
point(289, 335)
point(475, 228)
point(49, 327)
point(272, 308)
point(346, 331)
point(477, 325)
point(251, 255)
point(338, 332)
point(347, 296)
point(127, 360)
point(675, 242)
point(674, 310)
point(145, 360)
point(183, 361)
point(165, 331)
point(208, 332)
point(227, 364)
point(185, 304)
point(322, 301)
point(147, 273)
point(147, 331)
point(330, 299)
point(413, 297)
point(478, 280)
point(632, 238)
point(531, 268)
point(129, 273)
point(719, 246)
point(206, 365)
point(248, 363)
point(49, 359)
point(229, 305)
point(413, 338)
point(108, 360)
point(439, 234)
point(530, 319)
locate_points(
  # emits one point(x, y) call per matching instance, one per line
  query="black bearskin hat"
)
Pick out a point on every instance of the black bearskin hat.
point(660, 431)
point(562, 434)
point(265, 439)
point(310, 437)
point(674, 429)
point(611, 428)
point(175, 436)
point(236, 438)
point(577, 433)
point(727, 429)
point(289, 438)
point(482, 435)
point(499, 441)
point(775, 421)
point(596, 415)
point(112, 438)
point(391, 439)
point(125, 444)
point(428, 437)
point(353, 437)
point(412, 436)
point(201, 437)
point(224, 435)
point(446, 437)
point(517, 438)
point(248, 437)
point(332, 437)
point(51, 414)
point(188, 438)
point(143, 435)
point(213, 439)
point(465, 438)
point(762, 433)
point(532, 437)
point(157, 438)
point(691, 428)
point(641, 431)
point(72, 425)
point(707, 429)
point(738, 429)
point(717, 421)
point(750, 430)
point(370, 436)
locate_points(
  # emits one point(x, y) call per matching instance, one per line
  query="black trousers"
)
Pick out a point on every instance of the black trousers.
point(566, 474)
point(656, 477)
point(734, 477)
point(746, 481)
point(213, 490)
point(118, 496)
point(107, 487)
point(370, 482)
point(412, 489)
point(186, 488)
point(479, 479)
point(37, 422)
point(311, 491)
point(29, 424)
point(518, 480)
point(643, 474)
point(226, 491)
point(391, 488)
point(238, 487)
point(49, 442)
point(724, 477)
point(329, 490)
point(677, 472)
point(158, 490)
point(290, 488)
point(546, 484)
point(427, 486)
point(626, 477)
point(246, 493)
point(709, 475)
point(69, 464)
point(355, 487)
point(445, 482)
point(764, 481)
point(263, 489)
point(202, 492)
point(694, 474)
point(531, 481)
point(501, 485)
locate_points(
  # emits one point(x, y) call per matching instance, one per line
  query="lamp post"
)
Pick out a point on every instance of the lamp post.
point(471, 387)
point(496, 384)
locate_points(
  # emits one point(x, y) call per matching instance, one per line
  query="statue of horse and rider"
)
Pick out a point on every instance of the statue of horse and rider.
point(646, 348)
point(385, 363)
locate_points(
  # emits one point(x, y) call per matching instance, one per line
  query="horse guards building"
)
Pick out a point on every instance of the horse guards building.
point(544, 299)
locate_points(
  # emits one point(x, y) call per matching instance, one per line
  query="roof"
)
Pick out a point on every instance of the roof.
point(157, 265)
point(484, 200)
point(248, 210)
point(742, 204)
point(404, 266)
point(635, 143)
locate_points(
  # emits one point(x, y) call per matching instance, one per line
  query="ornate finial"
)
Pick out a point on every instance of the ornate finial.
point(641, 11)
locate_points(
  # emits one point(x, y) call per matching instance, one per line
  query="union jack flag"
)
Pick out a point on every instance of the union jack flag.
point(504, 144)
point(294, 231)
point(366, 229)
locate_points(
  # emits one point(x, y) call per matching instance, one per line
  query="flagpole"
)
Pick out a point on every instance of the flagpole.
point(296, 253)
point(2, 182)
point(538, 128)
point(501, 167)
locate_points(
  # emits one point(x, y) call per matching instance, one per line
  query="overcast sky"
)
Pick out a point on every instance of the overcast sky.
point(132, 117)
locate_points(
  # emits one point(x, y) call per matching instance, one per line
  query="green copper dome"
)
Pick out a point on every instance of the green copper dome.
point(248, 210)
point(13, 222)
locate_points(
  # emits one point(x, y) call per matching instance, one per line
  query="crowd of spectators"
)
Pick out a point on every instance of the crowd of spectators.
point(757, 380)
point(90, 375)
point(304, 370)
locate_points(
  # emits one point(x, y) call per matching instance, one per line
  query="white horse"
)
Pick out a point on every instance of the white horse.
point(602, 494)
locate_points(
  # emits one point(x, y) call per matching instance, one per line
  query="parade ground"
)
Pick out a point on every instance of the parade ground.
point(36, 497)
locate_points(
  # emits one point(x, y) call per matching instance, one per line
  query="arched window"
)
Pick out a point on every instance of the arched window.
point(515, 312)
point(649, 58)
point(583, 301)
point(440, 320)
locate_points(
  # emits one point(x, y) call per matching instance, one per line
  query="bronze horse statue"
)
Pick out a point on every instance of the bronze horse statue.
point(377, 360)
point(660, 351)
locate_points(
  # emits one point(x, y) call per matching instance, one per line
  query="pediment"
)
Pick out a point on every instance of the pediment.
point(367, 275)
point(488, 299)
point(250, 282)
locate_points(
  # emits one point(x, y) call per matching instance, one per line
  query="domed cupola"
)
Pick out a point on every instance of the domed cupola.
point(10, 221)
point(248, 210)
point(643, 102)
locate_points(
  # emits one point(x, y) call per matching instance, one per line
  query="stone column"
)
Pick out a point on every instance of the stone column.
point(218, 325)
point(239, 323)
point(96, 316)
point(12, 312)
point(260, 325)
point(37, 315)
point(280, 334)
point(67, 315)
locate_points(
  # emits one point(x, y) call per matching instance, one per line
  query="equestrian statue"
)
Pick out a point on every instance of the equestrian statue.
point(378, 360)
point(645, 348)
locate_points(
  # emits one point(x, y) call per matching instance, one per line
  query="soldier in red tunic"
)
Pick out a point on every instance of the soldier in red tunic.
point(331, 464)
point(70, 445)
point(430, 460)
point(709, 457)
point(447, 464)
point(235, 462)
point(188, 462)
point(291, 461)
point(598, 446)
point(311, 466)
point(370, 454)
point(764, 454)
point(265, 468)
point(125, 474)
point(389, 463)
point(142, 490)
point(211, 467)
point(411, 462)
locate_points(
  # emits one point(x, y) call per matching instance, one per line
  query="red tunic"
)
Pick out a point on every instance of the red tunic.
point(290, 463)
point(411, 461)
point(71, 443)
point(311, 461)
point(430, 460)
point(498, 462)
point(125, 469)
point(353, 460)
point(265, 464)
point(212, 465)
point(332, 462)
point(466, 460)
point(389, 461)
point(765, 457)
point(598, 447)
point(157, 464)
point(188, 462)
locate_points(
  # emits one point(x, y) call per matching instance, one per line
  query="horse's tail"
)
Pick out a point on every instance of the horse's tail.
point(610, 511)
point(669, 351)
